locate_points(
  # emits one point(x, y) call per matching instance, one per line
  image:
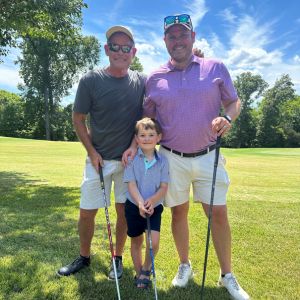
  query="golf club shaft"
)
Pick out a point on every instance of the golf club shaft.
point(217, 152)
point(109, 231)
point(151, 254)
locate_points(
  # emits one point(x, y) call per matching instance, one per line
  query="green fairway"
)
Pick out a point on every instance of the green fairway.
point(39, 199)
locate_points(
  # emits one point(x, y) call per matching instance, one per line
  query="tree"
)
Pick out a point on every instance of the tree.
point(54, 53)
point(249, 88)
point(136, 65)
point(11, 114)
point(290, 124)
point(269, 132)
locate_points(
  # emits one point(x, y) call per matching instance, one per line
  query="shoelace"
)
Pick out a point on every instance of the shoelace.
point(182, 269)
point(234, 283)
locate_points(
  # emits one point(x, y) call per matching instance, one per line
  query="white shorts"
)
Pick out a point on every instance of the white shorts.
point(198, 172)
point(91, 192)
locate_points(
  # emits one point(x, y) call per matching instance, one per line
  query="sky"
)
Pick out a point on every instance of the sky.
point(258, 36)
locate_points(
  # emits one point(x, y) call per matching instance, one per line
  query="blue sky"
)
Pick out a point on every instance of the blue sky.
point(258, 36)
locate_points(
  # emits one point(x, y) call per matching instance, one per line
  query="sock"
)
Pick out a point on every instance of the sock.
point(86, 257)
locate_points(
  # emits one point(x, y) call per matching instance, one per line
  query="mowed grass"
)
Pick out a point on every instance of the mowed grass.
point(39, 198)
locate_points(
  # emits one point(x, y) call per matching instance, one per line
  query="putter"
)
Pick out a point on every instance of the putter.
point(218, 144)
point(109, 231)
point(151, 254)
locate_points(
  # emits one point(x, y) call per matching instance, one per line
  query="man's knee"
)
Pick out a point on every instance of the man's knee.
point(220, 216)
point(180, 212)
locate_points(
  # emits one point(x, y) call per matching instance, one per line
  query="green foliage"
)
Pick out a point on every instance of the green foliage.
point(136, 65)
point(53, 54)
point(269, 132)
point(249, 88)
point(11, 114)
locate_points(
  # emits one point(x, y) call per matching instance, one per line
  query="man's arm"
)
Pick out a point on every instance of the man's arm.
point(79, 123)
point(221, 125)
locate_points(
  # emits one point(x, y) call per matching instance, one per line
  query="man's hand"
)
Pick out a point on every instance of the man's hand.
point(96, 159)
point(220, 126)
point(129, 153)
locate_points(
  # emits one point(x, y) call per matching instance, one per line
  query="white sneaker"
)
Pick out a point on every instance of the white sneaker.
point(183, 275)
point(230, 283)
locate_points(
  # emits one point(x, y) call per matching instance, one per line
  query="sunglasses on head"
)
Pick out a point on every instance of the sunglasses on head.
point(116, 48)
point(183, 19)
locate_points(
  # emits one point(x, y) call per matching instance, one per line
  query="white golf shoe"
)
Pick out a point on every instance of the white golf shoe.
point(183, 275)
point(234, 289)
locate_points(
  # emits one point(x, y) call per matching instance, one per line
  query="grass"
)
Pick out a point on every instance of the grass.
point(39, 198)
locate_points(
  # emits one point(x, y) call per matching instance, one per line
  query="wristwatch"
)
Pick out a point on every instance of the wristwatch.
point(228, 118)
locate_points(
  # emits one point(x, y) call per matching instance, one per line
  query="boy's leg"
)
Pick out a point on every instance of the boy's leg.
point(136, 252)
point(155, 236)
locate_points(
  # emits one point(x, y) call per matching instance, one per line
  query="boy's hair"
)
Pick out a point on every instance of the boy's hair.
point(147, 123)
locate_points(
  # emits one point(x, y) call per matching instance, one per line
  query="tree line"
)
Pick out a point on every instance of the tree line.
point(54, 53)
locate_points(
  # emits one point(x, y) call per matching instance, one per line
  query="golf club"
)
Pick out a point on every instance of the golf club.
point(218, 144)
point(151, 254)
point(109, 231)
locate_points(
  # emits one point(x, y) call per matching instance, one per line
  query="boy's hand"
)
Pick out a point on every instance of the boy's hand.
point(149, 207)
point(143, 210)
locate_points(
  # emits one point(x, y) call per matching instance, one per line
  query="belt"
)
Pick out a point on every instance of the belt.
point(202, 152)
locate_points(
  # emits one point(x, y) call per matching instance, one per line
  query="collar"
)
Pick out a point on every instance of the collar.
point(141, 153)
point(194, 59)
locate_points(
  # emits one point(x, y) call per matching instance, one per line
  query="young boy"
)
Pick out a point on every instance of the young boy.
point(147, 176)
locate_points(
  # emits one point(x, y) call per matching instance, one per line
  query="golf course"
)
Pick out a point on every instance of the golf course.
point(39, 200)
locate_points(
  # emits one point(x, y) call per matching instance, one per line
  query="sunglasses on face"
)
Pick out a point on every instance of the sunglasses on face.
point(183, 19)
point(116, 48)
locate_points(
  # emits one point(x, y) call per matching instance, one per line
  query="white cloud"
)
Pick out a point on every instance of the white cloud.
point(205, 47)
point(249, 34)
point(297, 58)
point(253, 57)
point(228, 16)
point(197, 10)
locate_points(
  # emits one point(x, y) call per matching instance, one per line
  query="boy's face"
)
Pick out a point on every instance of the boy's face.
point(147, 138)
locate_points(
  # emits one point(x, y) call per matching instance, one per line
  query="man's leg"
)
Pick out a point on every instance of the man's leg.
point(221, 236)
point(121, 228)
point(86, 227)
point(180, 230)
point(121, 235)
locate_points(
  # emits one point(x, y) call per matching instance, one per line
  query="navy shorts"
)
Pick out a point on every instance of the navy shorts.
point(136, 224)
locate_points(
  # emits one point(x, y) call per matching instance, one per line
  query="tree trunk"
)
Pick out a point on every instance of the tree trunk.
point(46, 105)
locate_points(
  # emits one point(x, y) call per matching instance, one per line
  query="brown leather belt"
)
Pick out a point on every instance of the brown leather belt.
point(202, 152)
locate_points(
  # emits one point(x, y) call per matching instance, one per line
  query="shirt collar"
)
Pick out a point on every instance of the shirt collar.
point(170, 67)
point(141, 153)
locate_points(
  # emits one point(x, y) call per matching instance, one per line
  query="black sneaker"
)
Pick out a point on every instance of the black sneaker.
point(78, 264)
point(119, 267)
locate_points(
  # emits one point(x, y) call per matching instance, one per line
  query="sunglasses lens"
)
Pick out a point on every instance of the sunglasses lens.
point(126, 49)
point(170, 20)
point(184, 19)
point(114, 47)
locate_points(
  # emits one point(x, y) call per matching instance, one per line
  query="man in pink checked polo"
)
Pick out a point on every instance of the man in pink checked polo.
point(185, 96)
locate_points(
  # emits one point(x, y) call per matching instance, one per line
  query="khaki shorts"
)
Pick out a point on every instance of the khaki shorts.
point(198, 172)
point(91, 192)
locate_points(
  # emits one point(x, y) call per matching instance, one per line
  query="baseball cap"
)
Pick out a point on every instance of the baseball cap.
point(119, 28)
